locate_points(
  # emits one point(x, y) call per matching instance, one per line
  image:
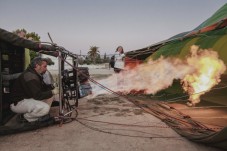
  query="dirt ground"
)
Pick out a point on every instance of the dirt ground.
point(105, 122)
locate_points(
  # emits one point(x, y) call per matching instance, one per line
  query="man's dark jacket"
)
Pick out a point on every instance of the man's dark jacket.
point(30, 85)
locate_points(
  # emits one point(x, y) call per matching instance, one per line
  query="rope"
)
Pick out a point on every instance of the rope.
point(124, 96)
point(206, 107)
point(142, 126)
point(120, 134)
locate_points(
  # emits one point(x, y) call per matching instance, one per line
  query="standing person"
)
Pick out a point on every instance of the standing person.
point(119, 59)
point(47, 77)
point(119, 66)
point(30, 96)
point(49, 81)
point(112, 61)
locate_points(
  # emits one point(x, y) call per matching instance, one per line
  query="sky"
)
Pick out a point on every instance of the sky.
point(79, 24)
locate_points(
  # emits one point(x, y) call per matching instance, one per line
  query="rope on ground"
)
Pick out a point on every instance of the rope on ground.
point(120, 134)
point(142, 126)
point(124, 96)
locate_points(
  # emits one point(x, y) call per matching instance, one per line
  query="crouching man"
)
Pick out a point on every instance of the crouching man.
point(30, 95)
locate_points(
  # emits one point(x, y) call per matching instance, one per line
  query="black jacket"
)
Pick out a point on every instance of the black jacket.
point(30, 85)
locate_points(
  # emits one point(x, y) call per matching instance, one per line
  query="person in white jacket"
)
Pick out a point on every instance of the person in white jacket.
point(119, 65)
point(47, 77)
point(119, 59)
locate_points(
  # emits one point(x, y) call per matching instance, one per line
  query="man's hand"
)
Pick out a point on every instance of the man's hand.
point(55, 84)
point(55, 91)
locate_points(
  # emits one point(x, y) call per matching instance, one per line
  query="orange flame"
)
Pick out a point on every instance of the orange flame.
point(198, 73)
point(208, 69)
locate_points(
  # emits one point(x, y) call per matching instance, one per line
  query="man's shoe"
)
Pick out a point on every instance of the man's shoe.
point(55, 103)
point(44, 118)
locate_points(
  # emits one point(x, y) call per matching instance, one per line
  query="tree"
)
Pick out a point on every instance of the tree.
point(98, 59)
point(104, 56)
point(87, 60)
point(106, 59)
point(93, 53)
point(30, 36)
point(33, 35)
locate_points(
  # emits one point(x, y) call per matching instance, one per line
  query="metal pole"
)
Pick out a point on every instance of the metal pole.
point(77, 85)
point(60, 84)
point(1, 87)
